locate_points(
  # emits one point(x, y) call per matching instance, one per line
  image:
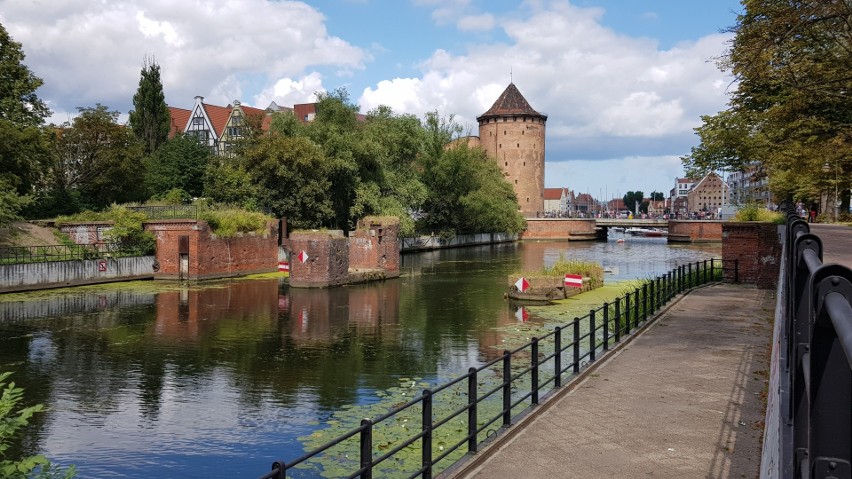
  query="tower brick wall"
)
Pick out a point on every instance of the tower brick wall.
point(513, 134)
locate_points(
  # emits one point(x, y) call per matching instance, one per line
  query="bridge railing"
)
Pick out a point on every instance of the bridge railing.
point(63, 252)
point(816, 365)
point(446, 423)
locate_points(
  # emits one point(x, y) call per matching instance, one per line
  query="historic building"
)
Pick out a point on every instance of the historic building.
point(708, 195)
point(218, 127)
point(513, 134)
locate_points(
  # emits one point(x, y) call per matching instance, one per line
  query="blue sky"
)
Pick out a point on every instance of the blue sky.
point(622, 81)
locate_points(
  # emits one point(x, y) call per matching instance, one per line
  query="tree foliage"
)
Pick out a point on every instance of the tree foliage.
point(96, 161)
point(632, 199)
point(790, 112)
point(22, 145)
point(150, 119)
point(179, 163)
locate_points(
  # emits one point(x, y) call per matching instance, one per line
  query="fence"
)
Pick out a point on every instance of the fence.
point(815, 387)
point(169, 212)
point(455, 418)
point(61, 252)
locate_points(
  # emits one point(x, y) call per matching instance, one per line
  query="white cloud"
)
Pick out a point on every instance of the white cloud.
point(289, 92)
point(471, 23)
point(89, 51)
point(595, 84)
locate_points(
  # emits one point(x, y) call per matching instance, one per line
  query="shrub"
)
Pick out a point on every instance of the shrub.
point(227, 223)
point(757, 212)
point(14, 418)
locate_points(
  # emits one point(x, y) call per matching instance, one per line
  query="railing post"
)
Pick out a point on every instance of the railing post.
point(617, 320)
point(426, 441)
point(281, 467)
point(592, 338)
point(627, 311)
point(557, 356)
point(644, 302)
point(705, 271)
point(653, 291)
point(689, 276)
point(507, 389)
point(534, 365)
point(366, 458)
point(636, 308)
point(576, 345)
point(712, 270)
point(606, 326)
point(472, 403)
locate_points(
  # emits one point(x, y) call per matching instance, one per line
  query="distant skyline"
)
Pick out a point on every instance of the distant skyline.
point(623, 82)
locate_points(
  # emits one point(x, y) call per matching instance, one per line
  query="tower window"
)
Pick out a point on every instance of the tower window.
point(500, 145)
point(507, 163)
point(519, 145)
point(522, 132)
point(525, 163)
point(516, 182)
point(504, 132)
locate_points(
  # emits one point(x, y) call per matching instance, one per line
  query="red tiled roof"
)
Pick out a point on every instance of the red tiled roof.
point(510, 102)
point(218, 117)
point(553, 193)
point(179, 119)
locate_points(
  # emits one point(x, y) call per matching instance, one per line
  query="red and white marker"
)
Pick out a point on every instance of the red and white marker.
point(303, 256)
point(522, 284)
point(573, 281)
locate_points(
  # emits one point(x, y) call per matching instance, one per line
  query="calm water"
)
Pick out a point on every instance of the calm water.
point(220, 381)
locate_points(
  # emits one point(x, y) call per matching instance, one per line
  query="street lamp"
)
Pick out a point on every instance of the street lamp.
point(836, 200)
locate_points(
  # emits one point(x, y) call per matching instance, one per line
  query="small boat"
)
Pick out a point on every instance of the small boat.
point(617, 229)
point(620, 240)
point(646, 232)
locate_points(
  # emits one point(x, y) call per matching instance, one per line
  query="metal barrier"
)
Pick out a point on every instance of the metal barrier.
point(816, 379)
point(62, 252)
point(515, 383)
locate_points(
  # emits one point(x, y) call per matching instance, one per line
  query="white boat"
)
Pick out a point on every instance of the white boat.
point(646, 232)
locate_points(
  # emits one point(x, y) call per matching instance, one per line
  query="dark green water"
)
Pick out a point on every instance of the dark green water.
point(219, 381)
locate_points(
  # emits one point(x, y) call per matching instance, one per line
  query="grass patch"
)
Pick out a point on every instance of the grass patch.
point(757, 212)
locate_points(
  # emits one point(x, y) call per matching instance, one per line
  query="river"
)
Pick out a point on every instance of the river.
point(150, 379)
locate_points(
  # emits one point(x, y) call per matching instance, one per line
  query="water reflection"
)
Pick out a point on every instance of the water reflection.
point(221, 380)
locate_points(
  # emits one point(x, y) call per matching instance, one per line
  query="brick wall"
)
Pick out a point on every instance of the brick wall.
point(695, 231)
point(210, 256)
point(87, 233)
point(560, 228)
point(375, 244)
point(756, 248)
point(327, 261)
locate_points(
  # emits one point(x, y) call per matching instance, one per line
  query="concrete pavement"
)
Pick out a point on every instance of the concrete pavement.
point(836, 243)
point(685, 398)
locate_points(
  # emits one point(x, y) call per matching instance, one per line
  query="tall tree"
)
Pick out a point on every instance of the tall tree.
point(150, 118)
point(179, 163)
point(98, 161)
point(632, 199)
point(793, 100)
point(22, 146)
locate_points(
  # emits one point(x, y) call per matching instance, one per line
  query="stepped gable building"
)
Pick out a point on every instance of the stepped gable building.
point(512, 132)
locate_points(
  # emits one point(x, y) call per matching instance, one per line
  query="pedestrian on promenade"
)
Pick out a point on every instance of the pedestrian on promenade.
point(813, 214)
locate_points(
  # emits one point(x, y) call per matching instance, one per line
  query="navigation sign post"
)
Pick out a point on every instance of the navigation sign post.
point(573, 281)
point(522, 284)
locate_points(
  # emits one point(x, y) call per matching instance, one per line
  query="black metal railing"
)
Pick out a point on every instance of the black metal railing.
point(815, 360)
point(62, 252)
point(474, 407)
point(168, 212)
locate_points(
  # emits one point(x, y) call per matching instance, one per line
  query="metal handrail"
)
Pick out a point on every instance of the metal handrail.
point(62, 252)
point(816, 381)
point(516, 367)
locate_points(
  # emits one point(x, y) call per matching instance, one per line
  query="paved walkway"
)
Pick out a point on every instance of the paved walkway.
point(682, 400)
point(836, 243)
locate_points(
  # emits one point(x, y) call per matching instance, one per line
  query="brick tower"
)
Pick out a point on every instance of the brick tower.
point(513, 133)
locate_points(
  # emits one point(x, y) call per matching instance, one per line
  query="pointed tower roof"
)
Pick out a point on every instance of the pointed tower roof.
point(510, 103)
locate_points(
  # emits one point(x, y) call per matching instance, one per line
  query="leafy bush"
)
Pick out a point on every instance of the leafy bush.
point(227, 223)
point(757, 212)
point(14, 418)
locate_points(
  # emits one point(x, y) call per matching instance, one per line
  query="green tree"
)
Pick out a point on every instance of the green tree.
point(791, 108)
point(657, 196)
point(467, 194)
point(293, 179)
point(97, 162)
point(22, 146)
point(179, 163)
point(632, 199)
point(150, 119)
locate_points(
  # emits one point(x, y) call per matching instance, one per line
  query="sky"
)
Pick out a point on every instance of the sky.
point(623, 82)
